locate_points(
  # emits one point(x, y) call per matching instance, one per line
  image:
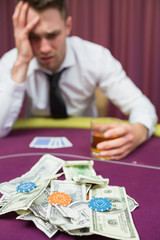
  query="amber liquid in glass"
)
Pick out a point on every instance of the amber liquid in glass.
point(96, 137)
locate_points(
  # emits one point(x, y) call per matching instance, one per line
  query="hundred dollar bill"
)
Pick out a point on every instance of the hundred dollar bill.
point(83, 221)
point(44, 226)
point(77, 192)
point(80, 232)
point(74, 217)
point(67, 212)
point(24, 200)
point(40, 205)
point(116, 223)
point(48, 165)
point(98, 180)
point(82, 209)
point(76, 211)
point(55, 217)
point(132, 203)
point(4, 199)
point(75, 168)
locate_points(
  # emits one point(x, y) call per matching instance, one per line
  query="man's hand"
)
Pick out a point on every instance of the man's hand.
point(126, 138)
point(22, 29)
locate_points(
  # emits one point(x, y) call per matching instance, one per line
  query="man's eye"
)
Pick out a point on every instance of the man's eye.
point(32, 37)
point(52, 35)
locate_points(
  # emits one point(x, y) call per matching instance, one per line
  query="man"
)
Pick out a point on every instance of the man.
point(41, 30)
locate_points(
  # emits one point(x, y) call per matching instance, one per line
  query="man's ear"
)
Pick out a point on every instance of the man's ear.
point(68, 25)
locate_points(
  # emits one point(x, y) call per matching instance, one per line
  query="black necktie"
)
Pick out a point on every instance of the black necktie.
point(57, 105)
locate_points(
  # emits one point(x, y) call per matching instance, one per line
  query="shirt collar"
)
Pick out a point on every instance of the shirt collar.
point(69, 59)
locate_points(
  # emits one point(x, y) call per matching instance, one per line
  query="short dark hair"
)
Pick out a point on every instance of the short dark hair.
point(41, 5)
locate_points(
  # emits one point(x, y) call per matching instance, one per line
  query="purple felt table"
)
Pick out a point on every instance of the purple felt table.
point(139, 173)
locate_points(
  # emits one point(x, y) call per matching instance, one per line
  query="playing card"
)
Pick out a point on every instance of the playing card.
point(50, 142)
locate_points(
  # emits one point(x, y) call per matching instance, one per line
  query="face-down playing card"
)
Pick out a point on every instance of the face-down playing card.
point(50, 142)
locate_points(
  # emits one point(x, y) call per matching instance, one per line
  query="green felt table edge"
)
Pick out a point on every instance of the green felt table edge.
point(72, 122)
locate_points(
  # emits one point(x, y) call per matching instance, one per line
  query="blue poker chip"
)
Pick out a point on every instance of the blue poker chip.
point(100, 204)
point(26, 187)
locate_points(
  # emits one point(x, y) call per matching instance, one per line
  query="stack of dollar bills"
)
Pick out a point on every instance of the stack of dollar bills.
point(81, 184)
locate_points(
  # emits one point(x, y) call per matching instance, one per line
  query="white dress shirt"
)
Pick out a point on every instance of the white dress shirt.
point(88, 65)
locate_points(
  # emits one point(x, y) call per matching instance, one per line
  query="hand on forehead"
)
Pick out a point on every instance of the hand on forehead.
point(32, 13)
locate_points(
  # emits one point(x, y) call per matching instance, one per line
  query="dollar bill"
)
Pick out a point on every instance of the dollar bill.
point(76, 211)
point(77, 192)
point(75, 168)
point(75, 216)
point(22, 201)
point(40, 205)
point(4, 199)
point(98, 180)
point(48, 165)
point(83, 221)
point(80, 232)
point(132, 203)
point(82, 210)
point(55, 217)
point(45, 226)
point(67, 212)
point(116, 223)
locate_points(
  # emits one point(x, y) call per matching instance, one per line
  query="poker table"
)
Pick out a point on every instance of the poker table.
point(139, 173)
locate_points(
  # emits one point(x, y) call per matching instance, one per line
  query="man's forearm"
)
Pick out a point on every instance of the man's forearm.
point(19, 72)
point(11, 100)
point(141, 133)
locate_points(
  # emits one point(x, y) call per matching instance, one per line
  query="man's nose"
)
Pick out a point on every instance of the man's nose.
point(45, 46)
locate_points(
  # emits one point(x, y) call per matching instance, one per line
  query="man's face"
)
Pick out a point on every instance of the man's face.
point(48, 37)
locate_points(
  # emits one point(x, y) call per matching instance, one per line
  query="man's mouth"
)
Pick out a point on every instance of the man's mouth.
point(46, 59)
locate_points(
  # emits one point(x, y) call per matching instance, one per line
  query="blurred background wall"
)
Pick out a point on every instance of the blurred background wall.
point(130, 29)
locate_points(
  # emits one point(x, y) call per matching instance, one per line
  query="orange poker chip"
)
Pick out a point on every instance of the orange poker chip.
point(59, 197)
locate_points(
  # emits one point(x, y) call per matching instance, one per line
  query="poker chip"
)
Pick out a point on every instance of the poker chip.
point(59, 197)
point(100, 204)
point(26, 187)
